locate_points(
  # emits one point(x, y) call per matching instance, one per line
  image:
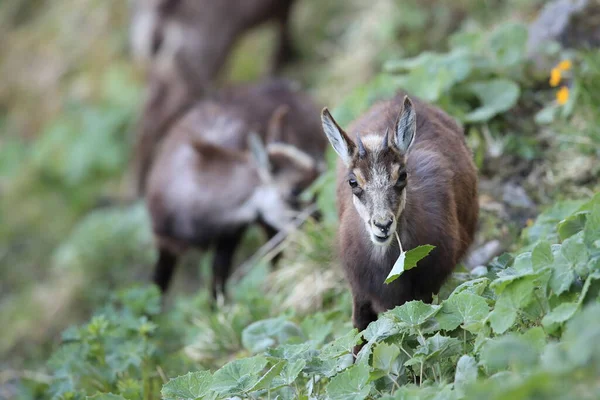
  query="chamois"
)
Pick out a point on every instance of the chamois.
point(184, 44)
point(210, 180)
point(409, 173)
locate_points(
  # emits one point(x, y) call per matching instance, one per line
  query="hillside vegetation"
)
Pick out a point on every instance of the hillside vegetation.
point(519, 320)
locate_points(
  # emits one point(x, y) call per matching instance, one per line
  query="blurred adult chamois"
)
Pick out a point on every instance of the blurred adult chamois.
point(408, 172)
point(213, 176)
point(185, 44)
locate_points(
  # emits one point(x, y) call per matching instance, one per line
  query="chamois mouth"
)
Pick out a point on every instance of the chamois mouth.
point(381, 240)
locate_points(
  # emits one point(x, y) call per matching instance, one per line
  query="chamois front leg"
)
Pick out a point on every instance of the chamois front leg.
point(362, 315)
point(223, 258)
point(163, 271)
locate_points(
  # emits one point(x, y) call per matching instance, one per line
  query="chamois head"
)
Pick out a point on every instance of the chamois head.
point(376, 170)
point(285, 172)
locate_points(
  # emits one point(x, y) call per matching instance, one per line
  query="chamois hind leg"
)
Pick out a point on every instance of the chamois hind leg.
point(223, 258)
point(163, 271)
point(362, 315)
point(285, 51)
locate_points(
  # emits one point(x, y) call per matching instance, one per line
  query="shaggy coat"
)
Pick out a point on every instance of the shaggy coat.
point(436, 199)
point(206, 187)
point(185, 44)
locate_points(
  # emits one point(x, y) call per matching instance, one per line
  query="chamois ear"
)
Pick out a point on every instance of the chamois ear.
point(277, 123)
point(259, 153)
point(406, 127)
point(341, 143)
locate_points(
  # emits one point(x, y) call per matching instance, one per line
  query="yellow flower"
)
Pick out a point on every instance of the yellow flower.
point(555, 76)
point(562, 95)
point(564, 65)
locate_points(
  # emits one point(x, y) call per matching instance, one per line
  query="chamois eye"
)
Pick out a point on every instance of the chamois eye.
point(401, 182)
point(296, 191)
point(352, 182)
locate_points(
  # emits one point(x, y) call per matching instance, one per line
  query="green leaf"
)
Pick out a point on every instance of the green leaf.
point(291, 371)
point(513, 351)
point(193, 385)
point(381, 328)
point(560, 314)
point(591, 231)
point(239, 376)
point(515, 296)
point(414, 313)
point(408, 260)
point(341, 346)
point(260, 335)
point(265, 381)
point(466, 309)
point(350, 384)
point(466, 371)
point(475, 286)
point(541, 256)
point(496, 96)
point(571, 225)
point(384, 356)
point(569, 259)
point(438, 347)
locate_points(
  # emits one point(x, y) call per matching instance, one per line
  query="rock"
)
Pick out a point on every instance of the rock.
point(515, 196)
point(571, 23)
point(483, 255)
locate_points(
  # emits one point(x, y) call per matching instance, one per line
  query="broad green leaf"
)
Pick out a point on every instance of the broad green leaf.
point(541, 256)
point(560, 314)
point(569, 259)
point(565, 311)
point(475, 286)
point(515, 296)
point(265, 381)
point(384, 356)
point(507, 44)
point(260, 335)
point(341, 346)
point(350, 384)
point(291, 372)
point(466, 371)
point(438, 347)
point(571, 225)
point(193, 385)
point(381, 328)
point(238, 376)
point(408, 260)
point(292, 352)
point(496, 96)
point(508, 351)
point(591, 231)
point(581, 339)
point(466, 309)
point(414, 313)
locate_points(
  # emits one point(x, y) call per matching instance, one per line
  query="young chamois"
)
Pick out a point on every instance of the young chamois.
point(184, 45)
point(408, 172)
point(213, 176)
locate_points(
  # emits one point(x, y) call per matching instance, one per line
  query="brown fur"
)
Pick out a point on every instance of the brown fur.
point(441, 209)
point(203, 174)
point(185, 46)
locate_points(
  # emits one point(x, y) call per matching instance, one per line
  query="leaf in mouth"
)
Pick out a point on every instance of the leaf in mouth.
point(407, 260)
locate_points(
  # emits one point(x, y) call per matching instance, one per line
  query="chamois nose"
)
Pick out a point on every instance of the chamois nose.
point(384, 226)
